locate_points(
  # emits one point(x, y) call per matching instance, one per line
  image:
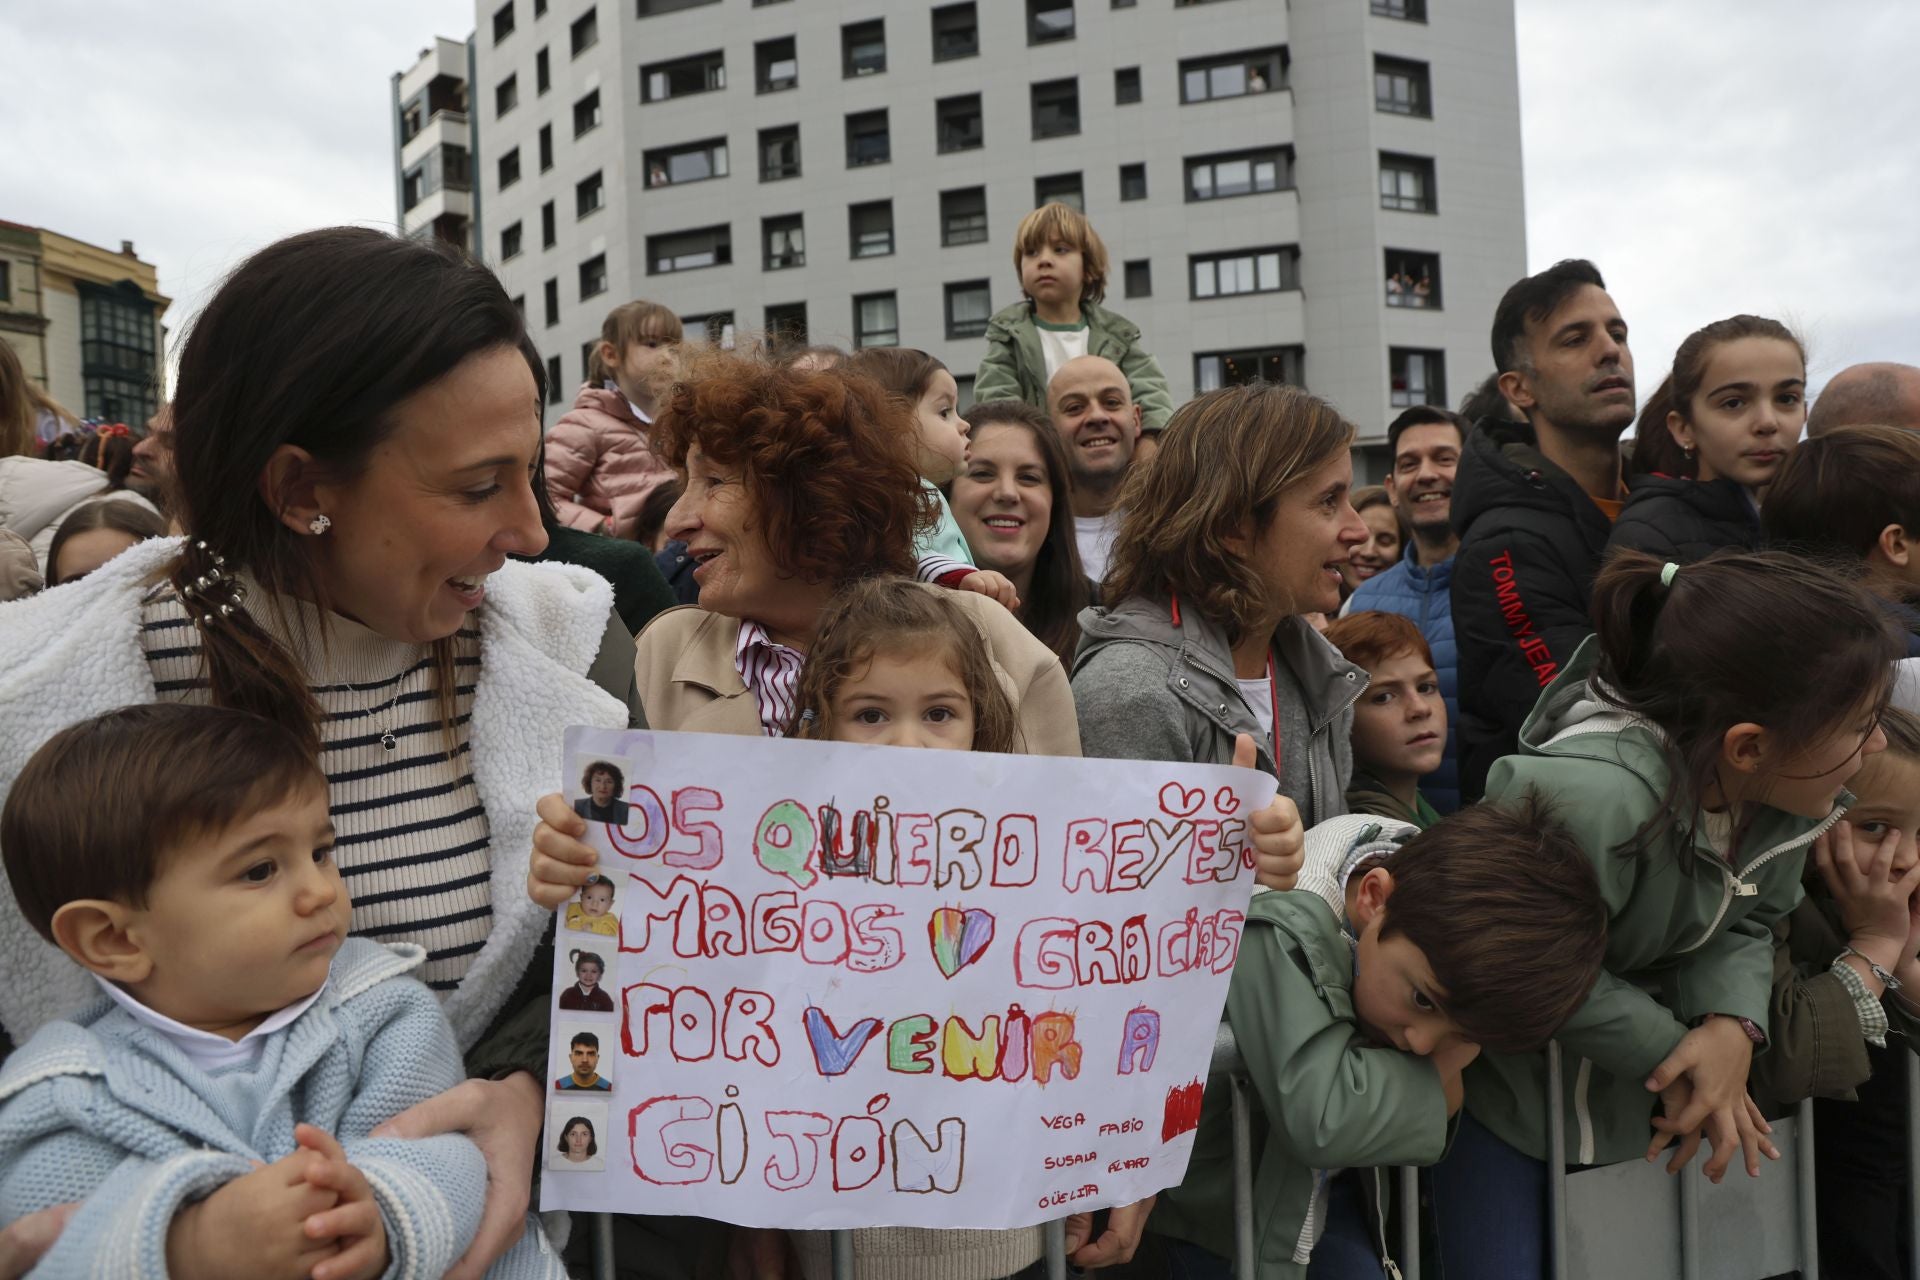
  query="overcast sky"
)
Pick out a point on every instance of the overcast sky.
point(1712, 156)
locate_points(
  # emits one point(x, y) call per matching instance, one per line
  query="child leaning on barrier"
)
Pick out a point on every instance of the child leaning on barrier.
point(1357, 1001)
point(217, 1107)
point(1697, 744)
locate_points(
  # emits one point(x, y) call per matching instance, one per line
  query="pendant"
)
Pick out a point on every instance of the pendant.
point(387, 740)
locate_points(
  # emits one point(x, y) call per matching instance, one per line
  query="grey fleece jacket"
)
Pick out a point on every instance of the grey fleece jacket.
point(1154, 682)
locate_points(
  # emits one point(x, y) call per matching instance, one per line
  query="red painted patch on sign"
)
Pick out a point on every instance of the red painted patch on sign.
point(1183, 1110)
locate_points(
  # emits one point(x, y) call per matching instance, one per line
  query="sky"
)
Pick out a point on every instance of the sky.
point(1711, 156)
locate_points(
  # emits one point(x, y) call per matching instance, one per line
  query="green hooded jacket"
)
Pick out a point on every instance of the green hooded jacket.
point(1326, 1097)
point(1688, 934)
point(1015, 368)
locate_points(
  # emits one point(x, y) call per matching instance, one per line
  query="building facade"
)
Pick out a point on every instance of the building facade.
point(1322, 191)
point(86, 322)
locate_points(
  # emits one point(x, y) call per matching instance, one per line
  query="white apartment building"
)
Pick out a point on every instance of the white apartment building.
point(1322, 191)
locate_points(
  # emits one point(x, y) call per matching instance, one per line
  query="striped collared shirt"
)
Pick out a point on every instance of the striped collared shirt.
point(771, 672)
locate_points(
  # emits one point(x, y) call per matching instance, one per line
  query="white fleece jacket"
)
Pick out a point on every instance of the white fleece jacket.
point(37, 496)
point(73, 652)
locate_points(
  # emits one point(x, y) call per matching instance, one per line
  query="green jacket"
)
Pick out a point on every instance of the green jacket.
point(1687, 934)
point(1326, 1098)
point(1015, 368)
point(1366, 794)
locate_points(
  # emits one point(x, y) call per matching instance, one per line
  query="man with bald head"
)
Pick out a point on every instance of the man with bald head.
point(1093, 410)
point(1868, 395)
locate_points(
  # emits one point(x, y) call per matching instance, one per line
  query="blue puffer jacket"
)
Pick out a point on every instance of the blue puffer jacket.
point(1422, 595)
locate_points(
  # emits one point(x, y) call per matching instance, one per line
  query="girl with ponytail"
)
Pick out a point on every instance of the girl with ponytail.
point(1697, 745)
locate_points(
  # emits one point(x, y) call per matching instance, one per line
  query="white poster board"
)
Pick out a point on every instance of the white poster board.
point(843, 986)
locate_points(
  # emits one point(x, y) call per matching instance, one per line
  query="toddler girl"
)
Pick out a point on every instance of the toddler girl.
point(600, 461)
point(586, 995)
point(594, 912)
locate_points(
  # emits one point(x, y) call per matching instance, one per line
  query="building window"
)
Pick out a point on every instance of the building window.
point(863, 48)
point(716, 327)
point(1213, 370)
point(542, 72)
point(957, 123)
point(1406, 183)
point(964, 386)
point(876, 320)
point(956, 32)
point(787, 325)
point(549, 227)
point(586, 359)
point(1222, 275)
point(554, 391)
point(963, 216)
point(654, 8)
point(1402, 87)
point(690, 250)
point(118, 364)
point(446, 167)
point(586, 114)
point(1056, 108)
point(701, 73)
point(1126, 86)
point(690, 162)
point(868, 141)
point(551, 297)
point(783, 242)
point(780, 152)
point(520, 305)
point(589, 195)
point(871, 229)
point(776, 65)
point(6, 281)
point(1233, 75)
point(585, 32)
point(502, 23)
point(509, 169)
point(593, 276)
point(1413, 279)
point(1049, 20)
point(510, 242)
point(968, 307)
point(1139, 278)
point(1406, 10)
point(1418, 376)
point(1133, 182)
point(539, 8)
point(506, 95)
point(1122, 4)
point(1239, 173)
point(1064, 187)
point(546, 147)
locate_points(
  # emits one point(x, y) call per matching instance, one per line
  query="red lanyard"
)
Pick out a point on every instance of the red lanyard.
point(1273, 691)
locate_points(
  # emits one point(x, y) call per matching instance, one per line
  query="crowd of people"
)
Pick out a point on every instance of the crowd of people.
point(1614, 748)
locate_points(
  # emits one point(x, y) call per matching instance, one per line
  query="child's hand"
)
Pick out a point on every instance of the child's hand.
point(1279, 838)
point(353, 1225)
point(252, 1228)
point(995, 586)
point(561, 862)
point(1713, 1059)
point(1876, 907)
point(1451, 1062)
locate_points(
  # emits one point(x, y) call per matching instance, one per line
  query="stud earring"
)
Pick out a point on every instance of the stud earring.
point(319, 525)
point(1686, 449)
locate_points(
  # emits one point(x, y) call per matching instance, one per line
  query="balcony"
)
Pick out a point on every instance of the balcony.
point(445, 202)
point(448, 128)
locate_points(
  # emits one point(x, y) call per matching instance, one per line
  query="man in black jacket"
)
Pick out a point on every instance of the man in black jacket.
point(1534, 502)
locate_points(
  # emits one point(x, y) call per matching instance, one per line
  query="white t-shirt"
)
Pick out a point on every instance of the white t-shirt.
point(1061, 345)
point(1259, 696)
point(1095, 535)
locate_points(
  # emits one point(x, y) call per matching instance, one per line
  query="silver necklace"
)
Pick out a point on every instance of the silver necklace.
point(387, 741)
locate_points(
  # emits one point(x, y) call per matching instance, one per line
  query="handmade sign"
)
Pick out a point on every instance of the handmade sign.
point(827, 985)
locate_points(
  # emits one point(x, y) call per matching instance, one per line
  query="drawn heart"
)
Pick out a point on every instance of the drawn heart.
point(1225, 803)
point(959, 937)
point(1178, 802)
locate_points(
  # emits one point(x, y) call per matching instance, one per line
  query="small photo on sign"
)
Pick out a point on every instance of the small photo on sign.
point(593, 979)
point(577, 1135)
point(588, 1049)
point(601, 794)
point(592, 910)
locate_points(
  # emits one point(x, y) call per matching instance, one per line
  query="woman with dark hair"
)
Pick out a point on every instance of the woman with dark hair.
point(604, 784)
point(1012, 502)
point(577, 1144)
point(356, 426)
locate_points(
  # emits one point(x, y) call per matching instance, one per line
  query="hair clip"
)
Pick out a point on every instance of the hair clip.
point(1667, 573)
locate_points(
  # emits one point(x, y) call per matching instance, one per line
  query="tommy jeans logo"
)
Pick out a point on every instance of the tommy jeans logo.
point(1506, 589)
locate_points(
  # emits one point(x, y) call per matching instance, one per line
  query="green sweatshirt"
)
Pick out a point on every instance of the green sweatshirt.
point(1015, 367)
point(1687, 934)
point(1326, 1097)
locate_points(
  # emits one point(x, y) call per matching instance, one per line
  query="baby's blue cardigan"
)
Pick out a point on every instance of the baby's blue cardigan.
point(104, 1110)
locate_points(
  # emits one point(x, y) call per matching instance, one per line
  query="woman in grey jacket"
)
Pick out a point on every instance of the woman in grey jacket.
point(1211, 570)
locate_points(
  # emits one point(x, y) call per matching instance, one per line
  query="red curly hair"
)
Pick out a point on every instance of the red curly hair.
point(826, 458)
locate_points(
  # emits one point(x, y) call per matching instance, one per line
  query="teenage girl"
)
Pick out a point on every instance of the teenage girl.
point(1697, 745)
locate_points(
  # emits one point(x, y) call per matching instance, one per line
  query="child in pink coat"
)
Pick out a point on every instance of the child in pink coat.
point(600, 462)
